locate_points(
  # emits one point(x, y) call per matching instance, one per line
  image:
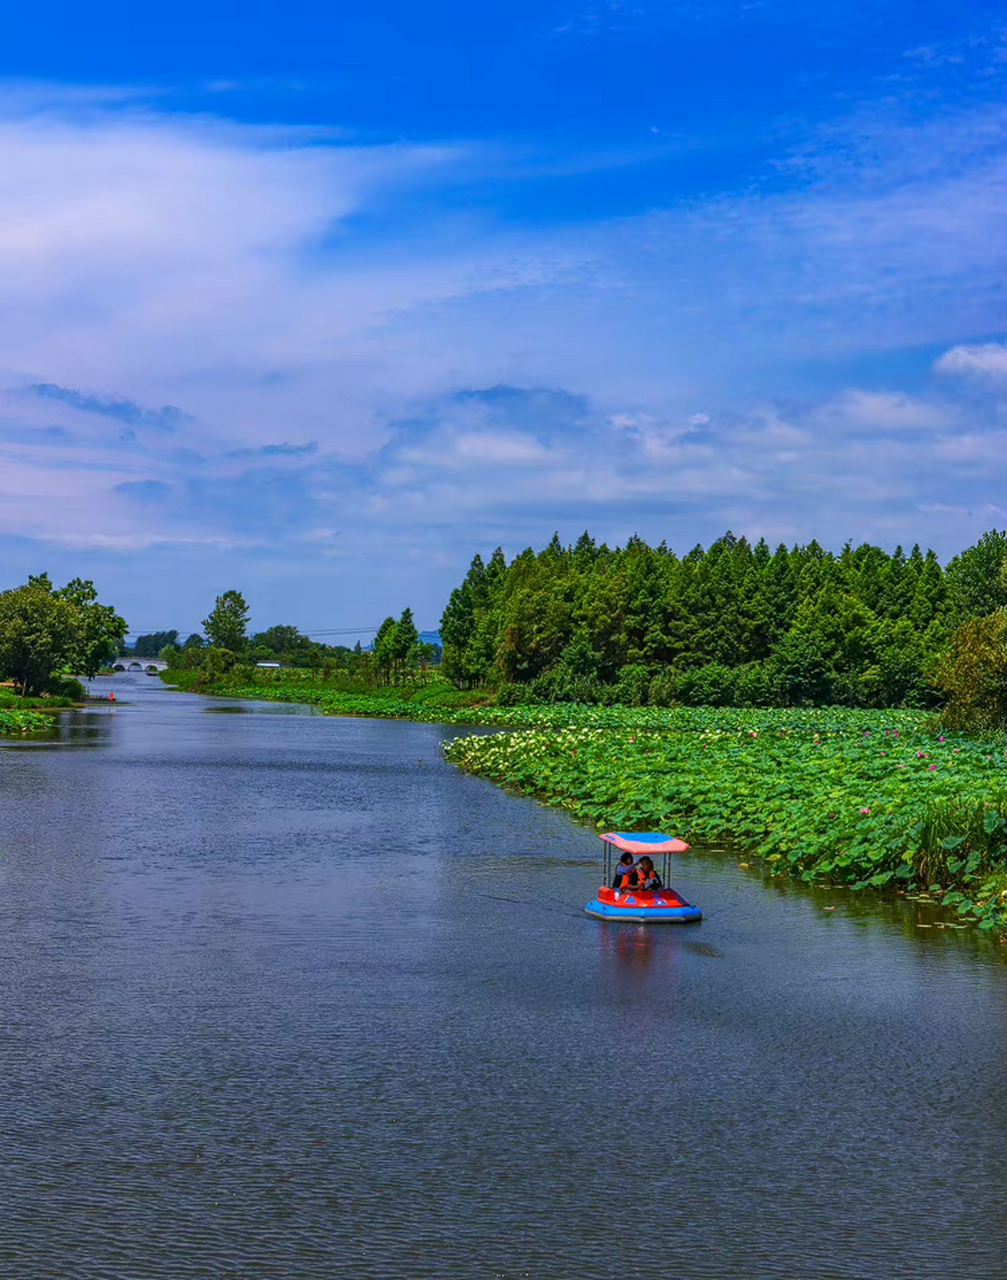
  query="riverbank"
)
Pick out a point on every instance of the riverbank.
point(879, 800)
point(871, 800)
point(435, 702)
point(27, 715)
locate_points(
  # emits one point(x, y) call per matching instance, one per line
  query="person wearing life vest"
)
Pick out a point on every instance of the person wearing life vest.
point(626, 875)
point(649, 879)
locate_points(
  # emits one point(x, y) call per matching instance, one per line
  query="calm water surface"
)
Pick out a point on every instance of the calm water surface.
point(286, 996)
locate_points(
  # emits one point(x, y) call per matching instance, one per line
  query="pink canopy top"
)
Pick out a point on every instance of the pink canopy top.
point(644, 842)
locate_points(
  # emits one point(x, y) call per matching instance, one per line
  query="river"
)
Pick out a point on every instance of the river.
point(285, 996)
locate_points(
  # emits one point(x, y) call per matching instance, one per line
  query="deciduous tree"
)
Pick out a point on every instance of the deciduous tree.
point(227, 625)
point(44, 632)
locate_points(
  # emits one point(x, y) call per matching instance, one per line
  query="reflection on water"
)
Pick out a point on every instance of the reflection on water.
point(285, 996)
point(628, 944)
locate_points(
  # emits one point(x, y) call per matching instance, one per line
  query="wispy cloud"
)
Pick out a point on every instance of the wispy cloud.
point(987, 361)
point(277, 451)
point(143, 491)
point(371, 366)
point(167, 418)
point(861, 464)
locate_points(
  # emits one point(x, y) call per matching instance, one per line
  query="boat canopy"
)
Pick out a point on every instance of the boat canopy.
point(644, 842)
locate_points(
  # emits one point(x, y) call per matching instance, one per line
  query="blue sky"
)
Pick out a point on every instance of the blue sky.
point(315, 301)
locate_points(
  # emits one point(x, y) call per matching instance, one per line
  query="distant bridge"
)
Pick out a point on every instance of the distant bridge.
point(139, 664)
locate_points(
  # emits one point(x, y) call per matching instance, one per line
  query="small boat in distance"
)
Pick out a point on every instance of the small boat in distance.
point(642, 906)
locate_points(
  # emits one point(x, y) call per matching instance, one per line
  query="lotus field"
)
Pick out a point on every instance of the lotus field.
point(870, 799)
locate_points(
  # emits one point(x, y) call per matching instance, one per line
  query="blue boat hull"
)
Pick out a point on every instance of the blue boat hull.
point(684, 914)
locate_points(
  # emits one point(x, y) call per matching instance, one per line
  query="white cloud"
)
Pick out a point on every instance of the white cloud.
point(986, 362)
point(312, 311)
point(885, 411)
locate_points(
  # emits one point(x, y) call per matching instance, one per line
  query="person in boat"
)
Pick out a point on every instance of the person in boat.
point(626, 874)
point(649, 879)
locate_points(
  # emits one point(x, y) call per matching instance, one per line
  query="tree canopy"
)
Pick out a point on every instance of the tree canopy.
point(149, 646)
point(972, 671)
point(734, 623)
point(47, 631)
point(227, 625)
point(397, 646)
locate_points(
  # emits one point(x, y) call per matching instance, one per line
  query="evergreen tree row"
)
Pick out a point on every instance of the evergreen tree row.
point(735, 624)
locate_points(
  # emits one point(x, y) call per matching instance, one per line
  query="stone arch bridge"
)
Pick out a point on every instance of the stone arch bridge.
point(150, 665)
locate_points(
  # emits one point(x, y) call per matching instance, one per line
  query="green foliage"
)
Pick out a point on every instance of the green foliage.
point(150, 646)
point(45, 632)
point(801, 674)
point(19, 721)
point(435, 701)
point(863, 798)
point(98, 628)
point(973, 674)
point(65, 690)
point(469, 626)
point(397, 648)
point(734, 623)
point(217, 663)
point(227, 625)
point(11, 701)
point(976, 577)
point(286, 644)
point(711, 685)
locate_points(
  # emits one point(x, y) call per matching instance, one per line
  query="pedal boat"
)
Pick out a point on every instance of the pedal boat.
point(641, 906)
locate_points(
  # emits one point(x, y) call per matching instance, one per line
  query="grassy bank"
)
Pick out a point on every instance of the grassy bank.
point(435, 702)
point(27, 715)
point(867, 799)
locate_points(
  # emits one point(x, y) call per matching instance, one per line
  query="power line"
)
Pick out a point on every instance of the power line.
point(320, 631)
point(311, 631)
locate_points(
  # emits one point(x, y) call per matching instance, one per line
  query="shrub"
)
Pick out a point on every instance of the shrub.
point(972, 673)
point(709, 686)
point(633, 685)
point(216, 664)
point(663, 691)
point(66, 688)
point(753, 685)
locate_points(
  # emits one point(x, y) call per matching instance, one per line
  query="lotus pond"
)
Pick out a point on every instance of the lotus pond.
point(871, 799)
